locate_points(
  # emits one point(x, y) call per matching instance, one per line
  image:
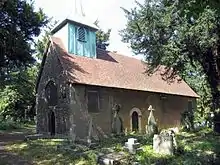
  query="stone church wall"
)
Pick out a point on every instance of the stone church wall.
point(52, 71)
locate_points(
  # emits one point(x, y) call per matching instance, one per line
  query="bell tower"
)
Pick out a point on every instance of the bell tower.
point(77, 32)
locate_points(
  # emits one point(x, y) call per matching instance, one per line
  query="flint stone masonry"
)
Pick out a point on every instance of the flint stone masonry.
point(163, 144)
point(132, 145)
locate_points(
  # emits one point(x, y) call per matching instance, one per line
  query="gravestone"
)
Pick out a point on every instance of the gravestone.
point(89, 132)
point(114, 158)
point(72, 133)
point(117, 125)
point(164, 143)
point(132, 145)
point(151, 127)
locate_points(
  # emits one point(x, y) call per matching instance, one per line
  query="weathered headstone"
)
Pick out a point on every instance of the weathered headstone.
point(117, 125)
point(89, 132)
point(165, 143)
point(132, 145)
point(72, 133)
point(151, 127)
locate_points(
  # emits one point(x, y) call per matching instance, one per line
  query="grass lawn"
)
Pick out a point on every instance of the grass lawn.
point(44, 152)
point(196, 148)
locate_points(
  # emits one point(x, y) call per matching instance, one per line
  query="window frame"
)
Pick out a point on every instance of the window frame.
point(78, 36)
point(98, 100)
point(49, 88)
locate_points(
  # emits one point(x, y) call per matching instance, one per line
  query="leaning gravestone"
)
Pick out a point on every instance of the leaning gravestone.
point(117, 125)
point(164, 143)
point(151, 127)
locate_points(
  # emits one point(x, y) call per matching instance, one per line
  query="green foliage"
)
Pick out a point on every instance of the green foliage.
point(198, 82)
point(194, 148)
point(19, 24)
point(43, 41)
point(187, 120)
point(197, 148)
point(184, 36)
point(9, 125)
point(102, 38)
point(17, 94)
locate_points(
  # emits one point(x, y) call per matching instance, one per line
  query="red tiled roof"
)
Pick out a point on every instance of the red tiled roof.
point(117, 71)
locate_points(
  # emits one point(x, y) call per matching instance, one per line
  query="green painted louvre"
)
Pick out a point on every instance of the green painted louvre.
point(81, 41)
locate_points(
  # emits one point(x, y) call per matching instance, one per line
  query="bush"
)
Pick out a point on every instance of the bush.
point(9, 125)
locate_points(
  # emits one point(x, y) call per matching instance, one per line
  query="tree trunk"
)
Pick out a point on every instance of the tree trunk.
point(211, 68)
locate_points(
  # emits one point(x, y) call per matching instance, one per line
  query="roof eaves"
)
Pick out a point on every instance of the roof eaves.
point(42, 64)
point(143, 90)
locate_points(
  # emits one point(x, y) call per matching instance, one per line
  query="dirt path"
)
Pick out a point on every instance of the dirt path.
point(8, 158)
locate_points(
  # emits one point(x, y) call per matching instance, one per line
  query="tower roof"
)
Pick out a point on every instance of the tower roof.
point(77, 16)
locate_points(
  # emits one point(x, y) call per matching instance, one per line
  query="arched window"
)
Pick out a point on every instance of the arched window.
point(51, 93)
point(135, 119)
point(81, 32)
point(135, 124)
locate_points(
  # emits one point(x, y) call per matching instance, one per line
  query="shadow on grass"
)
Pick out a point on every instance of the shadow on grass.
point(45, 152)
point(194, 149)
point(197, 148)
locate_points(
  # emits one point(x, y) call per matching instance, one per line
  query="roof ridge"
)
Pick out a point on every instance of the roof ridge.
point(120, 54)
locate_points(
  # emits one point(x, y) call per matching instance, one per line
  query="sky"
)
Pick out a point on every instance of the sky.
point(108, 12)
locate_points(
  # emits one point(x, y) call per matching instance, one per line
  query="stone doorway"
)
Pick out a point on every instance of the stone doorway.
point(51, 123)
point(135, 124)
point(135, 120)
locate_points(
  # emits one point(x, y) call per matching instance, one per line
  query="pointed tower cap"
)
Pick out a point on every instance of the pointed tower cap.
point(76, 16)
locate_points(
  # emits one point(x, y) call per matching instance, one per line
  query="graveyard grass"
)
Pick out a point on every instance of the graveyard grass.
point(201, 147)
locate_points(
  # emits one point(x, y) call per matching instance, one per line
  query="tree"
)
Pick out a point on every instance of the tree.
point(20, 23)
point(17, 96)
point(43, 41)
point(102, 38)
point(178, 34)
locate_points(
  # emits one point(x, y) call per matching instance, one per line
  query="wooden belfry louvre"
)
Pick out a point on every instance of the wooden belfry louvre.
point(51, 93)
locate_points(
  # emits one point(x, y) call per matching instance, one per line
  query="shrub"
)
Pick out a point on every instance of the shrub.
point(9, 125)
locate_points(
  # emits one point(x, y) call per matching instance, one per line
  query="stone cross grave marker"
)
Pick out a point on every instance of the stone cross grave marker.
point(132, 145)
point(151, 127)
